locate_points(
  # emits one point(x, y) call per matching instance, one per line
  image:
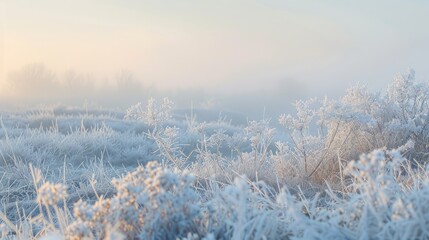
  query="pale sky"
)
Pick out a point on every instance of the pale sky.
point(223, 47)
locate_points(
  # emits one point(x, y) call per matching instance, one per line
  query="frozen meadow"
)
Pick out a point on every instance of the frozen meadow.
point(348, 168)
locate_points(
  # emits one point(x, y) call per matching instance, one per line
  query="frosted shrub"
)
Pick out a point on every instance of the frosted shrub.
point(166, 139)
point(410, 98)
point(285, 166)
point(386, 120)
point(307, 151)
point(51, 194)
point(324, 135)
point(153, 114)
point(150, 203)
point(303, 119)
point(261, 136)
point(211, 162)
point(375, 188)
point(379, 202)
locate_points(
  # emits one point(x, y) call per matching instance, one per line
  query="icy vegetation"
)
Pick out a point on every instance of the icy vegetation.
point(353, 168)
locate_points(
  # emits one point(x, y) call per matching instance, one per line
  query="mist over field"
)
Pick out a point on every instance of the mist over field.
point(241, 57)
point(36, 85)
point(214, 119)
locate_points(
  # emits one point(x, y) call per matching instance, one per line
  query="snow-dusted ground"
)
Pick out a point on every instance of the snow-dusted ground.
point(353, 168)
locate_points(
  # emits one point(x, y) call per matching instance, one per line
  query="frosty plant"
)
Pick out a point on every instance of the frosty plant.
point(389, 119)
point(168, 149)
point(164, 137)
point(153, 114)
point(261, 136)
point(359, 122)
point(151, 203)
point(306, 148)
point(411, 109)
point(50, 195)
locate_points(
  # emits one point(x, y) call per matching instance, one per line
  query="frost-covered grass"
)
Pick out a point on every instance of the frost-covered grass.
point(353, 168)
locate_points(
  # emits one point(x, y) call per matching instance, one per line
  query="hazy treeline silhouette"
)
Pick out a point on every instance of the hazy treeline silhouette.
point(37, 84)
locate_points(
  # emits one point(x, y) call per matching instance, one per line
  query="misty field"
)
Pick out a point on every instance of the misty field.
point(351, 168)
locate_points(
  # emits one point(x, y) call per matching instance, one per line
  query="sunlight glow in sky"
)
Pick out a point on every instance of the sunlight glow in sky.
point(220, 46)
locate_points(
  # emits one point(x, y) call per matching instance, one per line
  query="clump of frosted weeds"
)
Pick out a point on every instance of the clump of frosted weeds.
point(150, 203)
point(384, 199)
point(260, 136)
point(50, 194)
point(325, 135)
point(153, 114)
